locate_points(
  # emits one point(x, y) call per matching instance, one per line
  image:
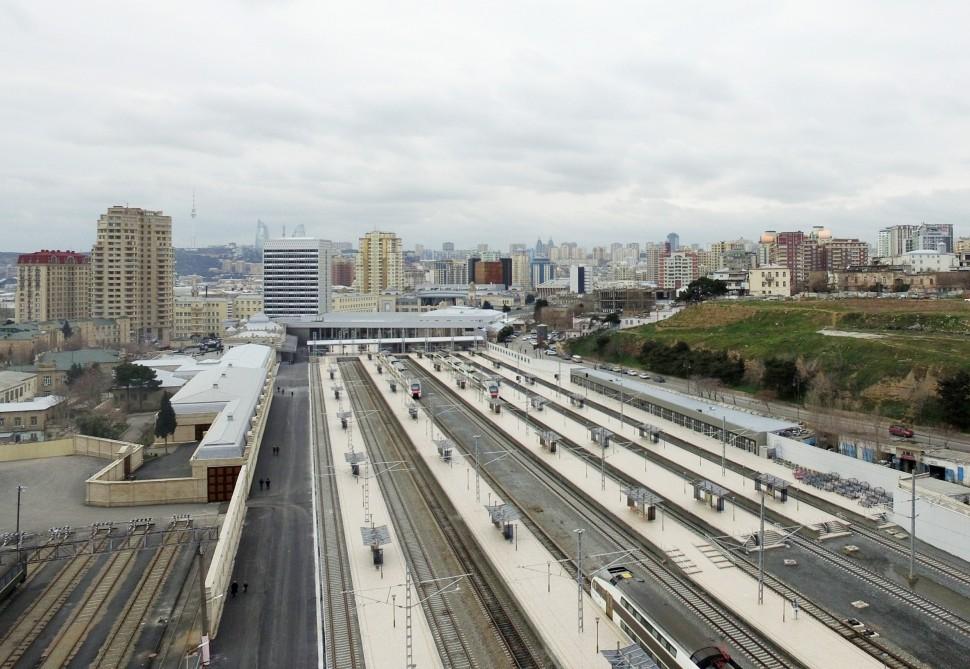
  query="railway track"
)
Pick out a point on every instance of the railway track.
point(343, 646)
point(34, 620)
point(860, 524)
point(72, 634)
point(121, 639)
point(506, 630)
point(889, 656)
point(761, 651)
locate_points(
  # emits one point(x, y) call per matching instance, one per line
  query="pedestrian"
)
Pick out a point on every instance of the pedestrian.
point(234, 588)
point(267, 484)
point(260, 484)
point(245, 587)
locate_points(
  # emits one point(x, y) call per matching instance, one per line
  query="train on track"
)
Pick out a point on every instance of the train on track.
point(493, 389)
point(611, 591)
point(415, 390)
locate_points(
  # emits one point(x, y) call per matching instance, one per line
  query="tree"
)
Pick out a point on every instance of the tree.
point(129, 375)
point(954, 394)
point(165, 420)
point(67, 330)
point(701, 289)
point(530, 298)
point(783, 377)
point(504, 334)
point(97, 425)
point(75, 372)
point(612, 319)
point(487, 305)
point(506, 308)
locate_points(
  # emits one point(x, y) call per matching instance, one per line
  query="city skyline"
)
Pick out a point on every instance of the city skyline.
point(713, 122)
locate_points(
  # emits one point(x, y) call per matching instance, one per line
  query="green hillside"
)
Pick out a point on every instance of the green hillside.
point(912, 343)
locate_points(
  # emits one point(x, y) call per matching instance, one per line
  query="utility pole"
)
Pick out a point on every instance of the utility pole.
point(912, 524)
point(204, 645)
point(603, 464)
point(723, 444)
point(476, 437)
point(761, 554)
point(579, 578)
point(409, 631)
point(20, 539)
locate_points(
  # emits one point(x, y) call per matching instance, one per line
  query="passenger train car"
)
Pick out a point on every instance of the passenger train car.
point(493, 389)
point(611, 591)
point(415, 390)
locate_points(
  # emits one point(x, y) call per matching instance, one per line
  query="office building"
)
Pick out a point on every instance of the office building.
point(937, 237)
point(541, 270)
point(673, 239)
point(342, 271)
point(580, 279)
point(53, 285)
point(296, 276)
point(449, 272)
point(490, 272)
point(133, 271)
point(380, 263)
point(521, 269)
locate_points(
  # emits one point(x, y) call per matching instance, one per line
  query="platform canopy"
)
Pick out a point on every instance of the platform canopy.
point(375, 536)
point(643, 496)
point(631, 657)
point(355, 457)
point(772, 481)
point(713, 488)
point(502, 513)
point(345, 415)
point(548, 435)
point(444, 445)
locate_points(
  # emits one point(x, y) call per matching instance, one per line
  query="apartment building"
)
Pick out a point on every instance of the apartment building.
point(197, 316)
point(133, 271)
point(53, 285)
point(246, 305)
point(678, 270)
point(770, 281)
point(380, 263)
point(296, 276)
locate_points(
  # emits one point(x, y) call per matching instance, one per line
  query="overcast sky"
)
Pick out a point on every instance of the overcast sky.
point(483, 121)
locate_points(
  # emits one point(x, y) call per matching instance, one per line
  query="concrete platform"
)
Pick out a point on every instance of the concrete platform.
point(380, 593)
point(547, 370)
point(806, 638)
point(523, 564)
point(54, 496)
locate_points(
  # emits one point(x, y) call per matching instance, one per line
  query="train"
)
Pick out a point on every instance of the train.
point(614, 589)
point(493, 389)
point(415, 390)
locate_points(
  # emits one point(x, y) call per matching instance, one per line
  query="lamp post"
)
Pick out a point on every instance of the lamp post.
point(476, 437)
point(579, 578)
point(912, 523)
point(20, 490)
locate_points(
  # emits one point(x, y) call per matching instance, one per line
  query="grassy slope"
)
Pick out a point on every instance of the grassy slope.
point(790, 329)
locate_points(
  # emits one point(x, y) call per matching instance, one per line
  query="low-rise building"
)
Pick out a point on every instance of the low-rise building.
point(29, 420)
point(736, 280)
point(624, 299)
point(17, 386)
point(770, 281)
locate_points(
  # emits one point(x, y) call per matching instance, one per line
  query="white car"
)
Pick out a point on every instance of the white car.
point(644, 375)
point(631, 372)
point(617, 370)
point(549, 351)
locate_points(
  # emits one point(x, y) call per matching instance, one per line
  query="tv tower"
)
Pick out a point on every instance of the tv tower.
point(194, 247)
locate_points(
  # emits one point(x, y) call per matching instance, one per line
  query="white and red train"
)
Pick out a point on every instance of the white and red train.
point(415, 390)
point(614, 590)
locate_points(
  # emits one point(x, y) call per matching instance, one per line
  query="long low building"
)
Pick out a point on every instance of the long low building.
point(740, 428)
point(461, 327)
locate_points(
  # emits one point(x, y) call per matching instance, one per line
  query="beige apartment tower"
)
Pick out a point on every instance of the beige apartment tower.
point(133, 271)
point(53, 286)
point(380, 263)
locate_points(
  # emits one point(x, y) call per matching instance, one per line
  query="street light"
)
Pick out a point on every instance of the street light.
point(476, 437)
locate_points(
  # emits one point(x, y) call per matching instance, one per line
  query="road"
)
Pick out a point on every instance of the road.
point(274, 624)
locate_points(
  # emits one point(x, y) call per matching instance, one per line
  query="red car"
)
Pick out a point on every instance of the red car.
point(900, 431)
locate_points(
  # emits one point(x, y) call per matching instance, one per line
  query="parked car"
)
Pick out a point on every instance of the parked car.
point(577, 358)
point(644, 375)
point(618, 370)
point(631, 372)
point(660, 379)
point(900, 431)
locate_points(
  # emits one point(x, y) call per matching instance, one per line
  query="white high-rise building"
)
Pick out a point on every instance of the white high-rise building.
point(380, 263)
point(296, 276)
point(580, 279)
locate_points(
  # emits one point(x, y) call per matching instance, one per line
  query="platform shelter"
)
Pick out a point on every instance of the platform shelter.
point(772, 485)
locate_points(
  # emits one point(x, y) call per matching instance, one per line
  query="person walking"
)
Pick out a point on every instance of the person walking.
point(267, 484)
point(245, 587)
point(260, 484)
point(234, 588)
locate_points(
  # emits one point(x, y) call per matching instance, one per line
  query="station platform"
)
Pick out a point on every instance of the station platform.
point(546, 370)
point(797, 512)
point(806, 638)
point(383, 643)
point(525, 564)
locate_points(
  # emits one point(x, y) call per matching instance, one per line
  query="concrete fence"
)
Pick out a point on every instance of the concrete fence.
point(78, 444)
